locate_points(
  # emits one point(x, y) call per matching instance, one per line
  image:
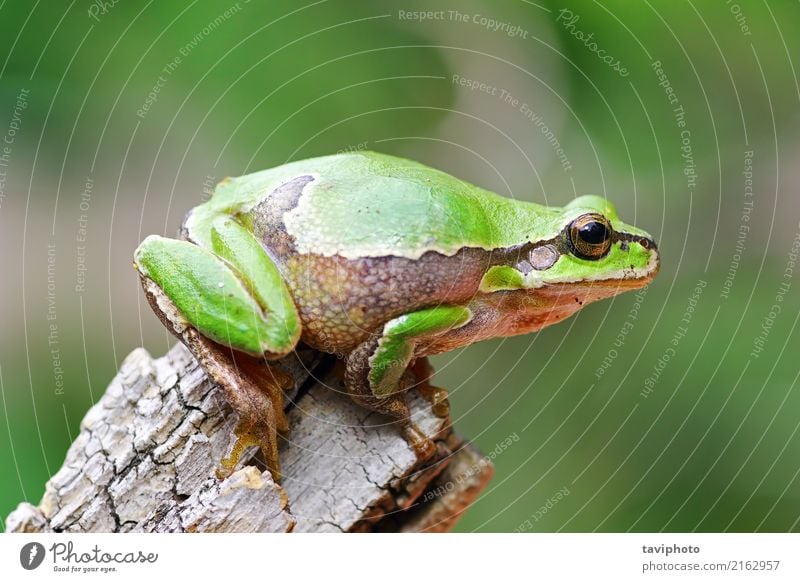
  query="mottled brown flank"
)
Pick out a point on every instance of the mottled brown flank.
point(342, 301)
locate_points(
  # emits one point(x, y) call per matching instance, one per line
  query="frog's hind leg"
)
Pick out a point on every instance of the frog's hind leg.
point(232, 293)
point(222, 301)
point(376, 372)
point(254, 390)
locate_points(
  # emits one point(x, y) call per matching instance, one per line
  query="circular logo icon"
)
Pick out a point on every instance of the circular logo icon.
point(31, 555)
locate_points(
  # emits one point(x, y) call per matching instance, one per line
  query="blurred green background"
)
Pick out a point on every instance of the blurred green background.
point(705, 441)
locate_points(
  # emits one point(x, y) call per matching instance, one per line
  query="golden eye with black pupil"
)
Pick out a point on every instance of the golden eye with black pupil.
point(590, 236)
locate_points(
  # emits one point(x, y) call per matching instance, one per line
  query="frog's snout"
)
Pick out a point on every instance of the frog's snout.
point(654, 263)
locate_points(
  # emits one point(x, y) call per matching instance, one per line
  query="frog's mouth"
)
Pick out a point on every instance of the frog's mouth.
point(577, 294)
point(615, 283)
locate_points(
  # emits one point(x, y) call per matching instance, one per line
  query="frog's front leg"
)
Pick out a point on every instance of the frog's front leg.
point(227, 294)
point(376, 377)
point(423, 372)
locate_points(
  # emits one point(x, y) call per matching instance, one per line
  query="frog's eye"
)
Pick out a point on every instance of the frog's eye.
point(590, 236)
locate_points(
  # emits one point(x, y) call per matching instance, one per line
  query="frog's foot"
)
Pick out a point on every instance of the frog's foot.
point(243, 439)
point(254, 390)
point(396, 406)
point(436, 396)
point(259, 390)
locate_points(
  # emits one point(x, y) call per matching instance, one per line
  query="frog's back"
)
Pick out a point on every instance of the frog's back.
point(365, 204)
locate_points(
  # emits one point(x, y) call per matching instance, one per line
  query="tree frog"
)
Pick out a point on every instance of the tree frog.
point(380, 260)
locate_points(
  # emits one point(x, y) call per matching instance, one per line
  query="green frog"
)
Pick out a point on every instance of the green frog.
point(380, 260)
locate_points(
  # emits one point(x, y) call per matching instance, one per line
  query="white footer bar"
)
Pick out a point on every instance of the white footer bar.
point(405, 557)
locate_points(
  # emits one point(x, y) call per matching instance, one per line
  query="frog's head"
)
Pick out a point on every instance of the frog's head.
point(589, 255)
point(593, 247)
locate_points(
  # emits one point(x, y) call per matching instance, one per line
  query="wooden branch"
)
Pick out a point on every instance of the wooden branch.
point(146, 456)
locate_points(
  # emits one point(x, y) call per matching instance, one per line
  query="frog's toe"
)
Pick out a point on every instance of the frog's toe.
point(438, 398)
point(242, 440)
point(247, 435)
point(423, 446)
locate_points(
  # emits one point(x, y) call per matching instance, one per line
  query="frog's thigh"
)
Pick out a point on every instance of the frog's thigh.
point(210, 296)
point(395, 348)
point(237, 245)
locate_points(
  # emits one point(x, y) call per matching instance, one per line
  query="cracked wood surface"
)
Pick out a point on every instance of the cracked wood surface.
point(146, 456)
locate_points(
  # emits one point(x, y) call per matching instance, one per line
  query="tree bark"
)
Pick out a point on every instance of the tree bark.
point(146, 456)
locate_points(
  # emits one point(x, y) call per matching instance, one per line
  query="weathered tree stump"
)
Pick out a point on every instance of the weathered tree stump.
point(146, 456)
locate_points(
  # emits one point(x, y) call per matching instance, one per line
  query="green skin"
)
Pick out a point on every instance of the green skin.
point(382, 261)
